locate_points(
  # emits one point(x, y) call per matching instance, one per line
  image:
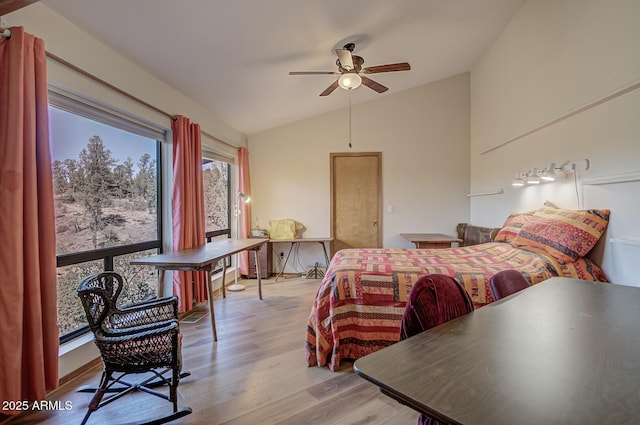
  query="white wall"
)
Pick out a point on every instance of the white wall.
point(555, 57)
point(75, 46)
point(423, 135)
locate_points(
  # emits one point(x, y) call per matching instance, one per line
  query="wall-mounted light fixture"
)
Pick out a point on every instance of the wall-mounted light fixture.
point(533, 177)
point(518, 180)
point(548, 174)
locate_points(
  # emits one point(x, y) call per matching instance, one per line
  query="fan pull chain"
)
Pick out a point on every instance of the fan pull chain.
point(349, 118)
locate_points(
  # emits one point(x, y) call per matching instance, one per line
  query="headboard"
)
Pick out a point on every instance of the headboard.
point(473, 235)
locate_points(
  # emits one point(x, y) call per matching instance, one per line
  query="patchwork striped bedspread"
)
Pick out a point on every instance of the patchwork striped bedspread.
point(360, 302)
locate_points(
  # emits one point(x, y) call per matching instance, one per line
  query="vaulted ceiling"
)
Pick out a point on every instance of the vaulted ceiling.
point(234, 57)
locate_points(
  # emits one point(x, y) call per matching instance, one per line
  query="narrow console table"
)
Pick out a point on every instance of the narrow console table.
point(204, 258)
point(430, 240)
point(297, 241)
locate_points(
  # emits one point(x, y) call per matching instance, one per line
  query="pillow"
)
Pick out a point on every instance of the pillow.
point(284, 229)
point(512, 225)
point(564, 234)
point(514, 222)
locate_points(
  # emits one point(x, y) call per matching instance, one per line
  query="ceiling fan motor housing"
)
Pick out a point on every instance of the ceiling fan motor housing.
point(357, 64)
point(349, 47)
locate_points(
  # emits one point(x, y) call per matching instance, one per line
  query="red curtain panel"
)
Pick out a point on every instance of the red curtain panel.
point(28, 295)
point(187, 204)
point(244, 186)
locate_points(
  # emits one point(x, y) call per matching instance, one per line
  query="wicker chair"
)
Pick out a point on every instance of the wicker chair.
point(140, 338)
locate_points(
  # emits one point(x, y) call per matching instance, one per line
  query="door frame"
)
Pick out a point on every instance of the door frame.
point(332, 223)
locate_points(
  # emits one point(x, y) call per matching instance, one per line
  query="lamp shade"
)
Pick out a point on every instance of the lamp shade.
point(533, 177)
point(349, 81)
point(518, 181)
point(549, 173)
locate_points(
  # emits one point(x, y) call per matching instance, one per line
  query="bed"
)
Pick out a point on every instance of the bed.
point(360, 302)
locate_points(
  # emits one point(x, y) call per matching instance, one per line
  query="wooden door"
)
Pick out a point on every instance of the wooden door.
point(356, 200)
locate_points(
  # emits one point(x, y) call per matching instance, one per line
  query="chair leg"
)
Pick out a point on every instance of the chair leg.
point(173, 388)
point(107, 380)
point(97, 397)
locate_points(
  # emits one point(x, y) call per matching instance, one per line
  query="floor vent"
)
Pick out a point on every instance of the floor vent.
point(193, 317)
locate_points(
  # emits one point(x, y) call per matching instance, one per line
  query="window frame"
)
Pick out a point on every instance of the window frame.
point(86, 108)
point(214, 233)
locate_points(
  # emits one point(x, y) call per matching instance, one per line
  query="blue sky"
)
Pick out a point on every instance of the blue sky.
point(69, 134)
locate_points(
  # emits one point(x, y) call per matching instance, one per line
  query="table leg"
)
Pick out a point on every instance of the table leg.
point(257, 259)
point(211, 312)
point(161, 283)
point(326, 257)
point(285, 261)
point(224, 275)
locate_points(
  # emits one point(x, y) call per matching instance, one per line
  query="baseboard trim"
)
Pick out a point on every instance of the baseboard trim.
point(77, 373)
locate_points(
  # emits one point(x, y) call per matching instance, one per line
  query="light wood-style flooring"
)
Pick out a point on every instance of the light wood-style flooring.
point(254, 374)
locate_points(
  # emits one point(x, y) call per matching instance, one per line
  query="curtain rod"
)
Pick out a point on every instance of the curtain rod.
point(125, 93)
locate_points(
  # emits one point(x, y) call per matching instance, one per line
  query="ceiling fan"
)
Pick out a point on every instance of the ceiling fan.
point(352, 72)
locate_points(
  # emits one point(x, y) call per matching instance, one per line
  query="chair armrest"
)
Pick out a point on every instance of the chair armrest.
point(168, 328)
point(144, 313)
point(154, 303)
point(132, 330)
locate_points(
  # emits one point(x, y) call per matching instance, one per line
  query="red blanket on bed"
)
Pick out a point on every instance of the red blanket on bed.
point(360, 302)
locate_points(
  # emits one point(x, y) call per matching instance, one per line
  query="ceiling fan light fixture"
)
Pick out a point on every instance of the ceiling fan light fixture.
point(349, 81)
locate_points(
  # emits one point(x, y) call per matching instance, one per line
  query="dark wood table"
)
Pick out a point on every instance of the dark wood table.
point(564, 351)
point(430, 240)
point(204, 258)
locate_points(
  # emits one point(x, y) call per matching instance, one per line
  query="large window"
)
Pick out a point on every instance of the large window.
point(216, 184)
point(107, 196)
point(215, 176)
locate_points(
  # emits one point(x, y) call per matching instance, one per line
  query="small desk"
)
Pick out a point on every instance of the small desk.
point(297, 241)
point(563, 351)
point(430, 240)
point(204, 258)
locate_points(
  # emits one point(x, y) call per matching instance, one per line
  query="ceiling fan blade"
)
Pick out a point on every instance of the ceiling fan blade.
point(392, 67)
point(330, 89)
point(314, 73)
point(373, 85)
point(346, 61)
